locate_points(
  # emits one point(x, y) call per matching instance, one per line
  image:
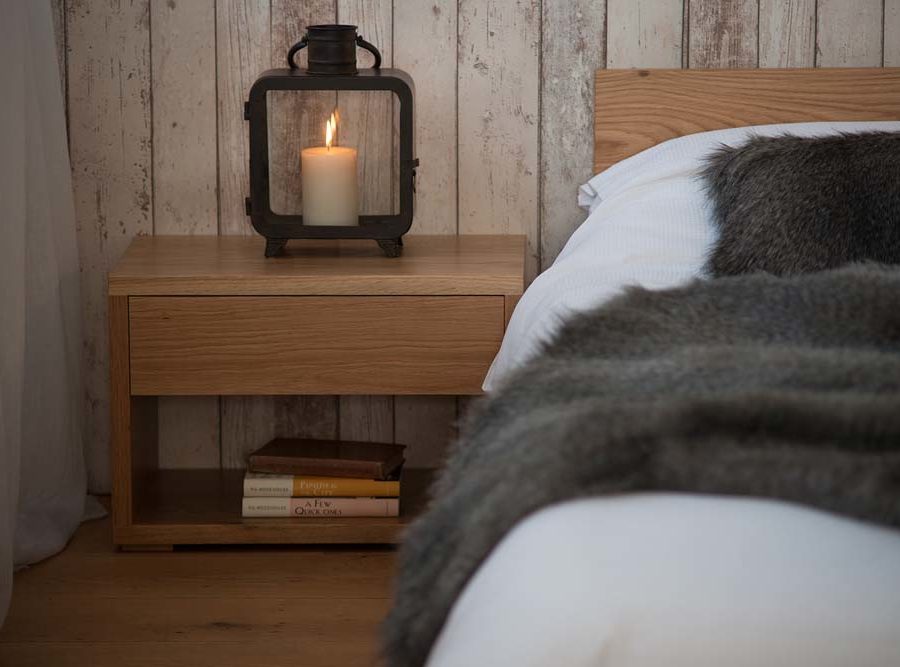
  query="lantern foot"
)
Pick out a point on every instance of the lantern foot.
point(275, 247)
point(391, 247)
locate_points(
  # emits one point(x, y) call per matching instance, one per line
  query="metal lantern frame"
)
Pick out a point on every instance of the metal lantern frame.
point(278, 229)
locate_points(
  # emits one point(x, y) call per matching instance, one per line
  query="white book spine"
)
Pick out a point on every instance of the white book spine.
point(266, 507)
point(268, 486)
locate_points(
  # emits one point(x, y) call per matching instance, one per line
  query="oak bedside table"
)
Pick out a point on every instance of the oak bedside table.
point(212, 316)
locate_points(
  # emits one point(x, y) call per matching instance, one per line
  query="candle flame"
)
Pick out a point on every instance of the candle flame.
point(330, 130)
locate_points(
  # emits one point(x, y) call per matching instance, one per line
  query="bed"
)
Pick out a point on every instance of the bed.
point(646, 579)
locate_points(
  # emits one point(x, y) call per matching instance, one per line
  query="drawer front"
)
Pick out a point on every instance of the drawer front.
point(312, 345)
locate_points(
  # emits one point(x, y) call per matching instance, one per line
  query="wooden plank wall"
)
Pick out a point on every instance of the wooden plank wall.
point(158, 145)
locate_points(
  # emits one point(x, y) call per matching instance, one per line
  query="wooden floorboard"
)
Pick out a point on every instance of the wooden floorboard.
point(236, 607)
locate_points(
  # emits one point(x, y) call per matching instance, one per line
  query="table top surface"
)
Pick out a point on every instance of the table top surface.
point(235, 265)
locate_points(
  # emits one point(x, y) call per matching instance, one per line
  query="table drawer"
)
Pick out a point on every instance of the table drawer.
point(312, 345)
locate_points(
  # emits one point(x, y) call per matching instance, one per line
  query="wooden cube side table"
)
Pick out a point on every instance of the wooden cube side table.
point(211, 316)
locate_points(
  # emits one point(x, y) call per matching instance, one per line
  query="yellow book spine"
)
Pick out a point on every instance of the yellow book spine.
point(343, 486)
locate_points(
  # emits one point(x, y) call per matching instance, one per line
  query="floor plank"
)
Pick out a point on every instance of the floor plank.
point(92, 605)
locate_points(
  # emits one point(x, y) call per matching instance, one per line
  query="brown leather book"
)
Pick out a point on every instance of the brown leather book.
point(329, 458)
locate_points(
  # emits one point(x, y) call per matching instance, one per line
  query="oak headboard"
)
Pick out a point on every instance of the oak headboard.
point(637, 109)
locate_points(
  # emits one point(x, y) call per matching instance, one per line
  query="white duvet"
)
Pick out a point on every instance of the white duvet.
point(665, 580)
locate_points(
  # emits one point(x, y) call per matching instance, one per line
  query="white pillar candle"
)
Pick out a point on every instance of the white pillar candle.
point(330, 191)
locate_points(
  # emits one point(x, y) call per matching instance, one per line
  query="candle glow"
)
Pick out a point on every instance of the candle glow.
point(330, 130)
point(329, 178)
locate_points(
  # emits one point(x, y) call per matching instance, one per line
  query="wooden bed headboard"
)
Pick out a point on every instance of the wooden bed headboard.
point(637, 109)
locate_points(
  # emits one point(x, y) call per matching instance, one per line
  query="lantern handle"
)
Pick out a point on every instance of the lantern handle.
point(371, 49)
point(302, 44)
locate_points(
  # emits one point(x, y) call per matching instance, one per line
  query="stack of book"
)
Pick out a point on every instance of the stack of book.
point(323, 478)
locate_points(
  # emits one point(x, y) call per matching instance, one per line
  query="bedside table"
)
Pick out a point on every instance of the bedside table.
point(212, 316)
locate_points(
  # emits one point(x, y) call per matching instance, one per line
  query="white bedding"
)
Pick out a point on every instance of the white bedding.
point(649, 226)
point(667, 580)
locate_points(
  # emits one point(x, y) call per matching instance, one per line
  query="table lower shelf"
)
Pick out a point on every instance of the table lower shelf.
point(182, 507)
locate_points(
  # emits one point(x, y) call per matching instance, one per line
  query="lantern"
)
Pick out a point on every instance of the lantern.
point(326, 172)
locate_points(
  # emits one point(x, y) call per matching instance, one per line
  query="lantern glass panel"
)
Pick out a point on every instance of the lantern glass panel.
point(367, 122)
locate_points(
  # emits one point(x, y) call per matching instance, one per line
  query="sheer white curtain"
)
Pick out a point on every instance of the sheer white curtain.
point(42, 479)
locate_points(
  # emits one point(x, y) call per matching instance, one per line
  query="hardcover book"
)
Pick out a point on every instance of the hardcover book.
point(320, 507)
point(260, 485)
point(328, 458)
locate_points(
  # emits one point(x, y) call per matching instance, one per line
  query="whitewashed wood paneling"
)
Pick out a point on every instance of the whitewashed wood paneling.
point(296, 120)
point(367, 121)
point(849, 33)
point(891, 33)
point(573, 48)
point(109, 143)
point(248, 422)
point(425, 46)
point(426, 424)
point(499, 89)
point(243, 51)
point(504, 94)
point(644, 33)
point(185, 194)
point(723, 33)
point(787, 33)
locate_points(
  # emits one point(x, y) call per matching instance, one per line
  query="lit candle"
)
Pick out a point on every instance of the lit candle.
point(330, 191)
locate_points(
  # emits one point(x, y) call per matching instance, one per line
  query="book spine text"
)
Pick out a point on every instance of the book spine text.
point(320, 507)
point(284, 486)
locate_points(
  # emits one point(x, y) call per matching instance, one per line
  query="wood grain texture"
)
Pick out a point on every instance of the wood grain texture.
point(509, 306)
point(184, 101)
point(498, 116)
point(787, 33)
point(110, 149)
point(235, 574)
point(183, 47)
point(367, 119)
point(120, 414)
point(189, 432)
point(346, 649)
point(243, 51)
point(249, 422)
point(72, 620)
point(570, 53)
point(368, 123)
point(223, 266)
point(367, 418)
point(644, 33)
point(426, 424)
point(297, 120)
point(892, 33)
point(204, 507)
point(639, 109)
point(849, 34)
point(238, 608)
point(425, 45)
point(515, 166)
point(309, 345)
point(723, 33)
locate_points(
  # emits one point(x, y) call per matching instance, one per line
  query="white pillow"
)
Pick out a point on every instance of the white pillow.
point(648, 225)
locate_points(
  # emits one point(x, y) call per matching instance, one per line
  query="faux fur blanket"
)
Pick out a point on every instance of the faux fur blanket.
point(785, 388)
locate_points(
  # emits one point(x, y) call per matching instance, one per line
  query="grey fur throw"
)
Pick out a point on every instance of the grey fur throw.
point(786, 388)
point(790, 205)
